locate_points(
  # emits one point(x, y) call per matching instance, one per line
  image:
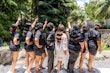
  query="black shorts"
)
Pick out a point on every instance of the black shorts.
point(29, 48)
point(39, 51)
point(15, 48)
point(93, 49)
point(43, 50)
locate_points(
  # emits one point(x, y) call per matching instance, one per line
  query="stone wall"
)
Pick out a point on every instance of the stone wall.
point(105, 34)
point(5, 55)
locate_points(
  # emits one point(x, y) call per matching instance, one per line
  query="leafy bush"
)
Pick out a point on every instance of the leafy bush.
point(5, 44)
point(104, 46)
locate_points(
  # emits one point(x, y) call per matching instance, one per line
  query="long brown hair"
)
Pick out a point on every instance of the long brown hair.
point(60, 31)
point(61, 27)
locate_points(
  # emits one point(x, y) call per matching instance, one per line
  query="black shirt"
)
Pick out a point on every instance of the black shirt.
point(93, 36)
point(14, 35)
point(30, 35)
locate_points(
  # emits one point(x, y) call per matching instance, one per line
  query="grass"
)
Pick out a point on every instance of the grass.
point(105, 47)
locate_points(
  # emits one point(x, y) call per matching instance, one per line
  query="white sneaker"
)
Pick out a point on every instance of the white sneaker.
point(9, 72)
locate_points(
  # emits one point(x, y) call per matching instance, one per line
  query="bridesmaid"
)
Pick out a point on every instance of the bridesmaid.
point(14, 44)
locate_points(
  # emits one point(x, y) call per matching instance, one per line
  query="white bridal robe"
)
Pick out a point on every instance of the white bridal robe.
point(60, 47)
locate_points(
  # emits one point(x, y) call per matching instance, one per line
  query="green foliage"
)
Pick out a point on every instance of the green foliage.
point(56, 11)
point(98, 10)
point(90, 10)
point(9, 12)
point(103, 12)
point(5, 44)
point(104, 46)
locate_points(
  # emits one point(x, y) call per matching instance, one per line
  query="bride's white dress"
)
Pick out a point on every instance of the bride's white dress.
point(60, 47)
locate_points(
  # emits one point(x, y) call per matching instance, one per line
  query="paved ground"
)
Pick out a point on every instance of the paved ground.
point(101, 64)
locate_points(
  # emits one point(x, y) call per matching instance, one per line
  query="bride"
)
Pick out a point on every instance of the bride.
point(61, 47)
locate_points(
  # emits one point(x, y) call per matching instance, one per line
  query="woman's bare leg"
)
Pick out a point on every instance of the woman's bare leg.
point(15, 57)
point(81, 61)
point(27, 60)
point(42, 59)
point(91, 58)
point(79, 57)
point(32, 55)
point(59, 66)
point(38, 58)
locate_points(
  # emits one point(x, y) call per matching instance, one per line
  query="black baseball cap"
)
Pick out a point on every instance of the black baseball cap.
point(14, 25)
point(97, 24)
point(39, 25)
point(28, 24)
point(76, 27)
point(84, 26)
point(50, 24)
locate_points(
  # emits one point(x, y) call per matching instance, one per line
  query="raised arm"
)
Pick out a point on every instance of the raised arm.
point(17, 22)
point(34, 23)
point(45, 24)
point(69, 25)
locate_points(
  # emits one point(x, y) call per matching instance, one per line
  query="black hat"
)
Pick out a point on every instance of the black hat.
point(39, 25)
point(14, 25)
point(50, 24)
point(28, 24)
point(76, 27)
point(84, 25)
point(97, 24)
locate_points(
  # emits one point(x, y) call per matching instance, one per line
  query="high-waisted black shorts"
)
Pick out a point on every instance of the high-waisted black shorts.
point(92, 49)
point(39, 51)
point(43, 50)
point(29, 48)
point(15, 48)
